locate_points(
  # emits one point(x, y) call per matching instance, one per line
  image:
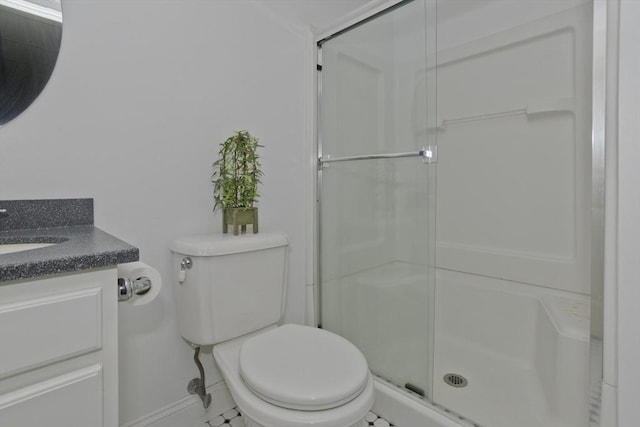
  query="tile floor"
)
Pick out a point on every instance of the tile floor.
point(229, 418)
point(233, 418)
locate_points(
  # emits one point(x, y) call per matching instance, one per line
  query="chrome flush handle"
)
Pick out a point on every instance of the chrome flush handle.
point(185, 265)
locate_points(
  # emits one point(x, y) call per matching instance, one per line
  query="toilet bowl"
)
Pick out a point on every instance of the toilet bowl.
point(230, 293)
point(289, 376)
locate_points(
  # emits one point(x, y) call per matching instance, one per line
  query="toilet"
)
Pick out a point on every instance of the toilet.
point(231, 293)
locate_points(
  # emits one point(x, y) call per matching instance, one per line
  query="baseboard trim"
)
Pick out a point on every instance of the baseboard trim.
point(188, 412)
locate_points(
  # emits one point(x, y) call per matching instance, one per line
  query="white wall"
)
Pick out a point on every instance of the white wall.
point(141, 97)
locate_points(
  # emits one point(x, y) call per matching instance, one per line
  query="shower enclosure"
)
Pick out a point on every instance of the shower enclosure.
point(455, 205)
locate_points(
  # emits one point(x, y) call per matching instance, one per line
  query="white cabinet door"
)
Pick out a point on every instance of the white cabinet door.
point(59, 351)
point(70, 400)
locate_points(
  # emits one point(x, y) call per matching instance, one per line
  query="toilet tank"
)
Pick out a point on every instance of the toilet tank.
point(236, 284)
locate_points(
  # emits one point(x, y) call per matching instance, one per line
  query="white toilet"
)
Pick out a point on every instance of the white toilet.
point(230, 293)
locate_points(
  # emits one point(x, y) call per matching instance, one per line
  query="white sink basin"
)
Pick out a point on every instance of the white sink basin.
point(7, 248)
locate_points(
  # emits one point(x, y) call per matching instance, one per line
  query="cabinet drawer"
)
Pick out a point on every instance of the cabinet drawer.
point(70, 400)
point(48, 329)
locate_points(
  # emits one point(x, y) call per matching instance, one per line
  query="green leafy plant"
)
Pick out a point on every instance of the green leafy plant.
point(237, 172)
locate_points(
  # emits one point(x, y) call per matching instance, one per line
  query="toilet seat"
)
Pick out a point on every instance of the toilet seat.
point(303, 368)
point(260, 412)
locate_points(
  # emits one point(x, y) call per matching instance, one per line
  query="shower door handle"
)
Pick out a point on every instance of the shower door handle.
point(429, 154)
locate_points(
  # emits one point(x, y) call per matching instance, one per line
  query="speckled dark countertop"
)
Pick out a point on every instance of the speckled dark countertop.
point(80, 246)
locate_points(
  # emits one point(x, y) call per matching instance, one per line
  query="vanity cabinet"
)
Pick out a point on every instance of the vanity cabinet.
point(58, 350)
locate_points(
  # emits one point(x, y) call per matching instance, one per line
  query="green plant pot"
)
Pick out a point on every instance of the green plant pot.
point(239, 218)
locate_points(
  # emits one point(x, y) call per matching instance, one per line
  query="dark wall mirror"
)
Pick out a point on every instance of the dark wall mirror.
point(30, 34)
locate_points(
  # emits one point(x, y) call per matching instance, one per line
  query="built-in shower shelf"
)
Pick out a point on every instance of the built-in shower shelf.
point(531, 108)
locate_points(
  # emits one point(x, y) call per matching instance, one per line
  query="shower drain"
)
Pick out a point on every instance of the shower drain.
point(455, 380)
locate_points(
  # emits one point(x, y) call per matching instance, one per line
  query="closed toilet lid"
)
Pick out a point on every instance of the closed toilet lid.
point(304, 368)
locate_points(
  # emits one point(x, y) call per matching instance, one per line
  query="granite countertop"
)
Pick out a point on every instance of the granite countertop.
point(81, 248)
point(78, 247)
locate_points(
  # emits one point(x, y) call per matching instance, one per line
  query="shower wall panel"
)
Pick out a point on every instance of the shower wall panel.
point(356, 119)
point(514, 174)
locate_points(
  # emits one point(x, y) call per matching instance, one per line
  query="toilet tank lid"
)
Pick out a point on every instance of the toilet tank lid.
point(213, 244)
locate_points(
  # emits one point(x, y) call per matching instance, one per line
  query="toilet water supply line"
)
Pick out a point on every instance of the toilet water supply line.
point(197, 385)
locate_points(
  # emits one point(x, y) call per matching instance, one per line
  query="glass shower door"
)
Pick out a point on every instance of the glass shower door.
point(377, 179)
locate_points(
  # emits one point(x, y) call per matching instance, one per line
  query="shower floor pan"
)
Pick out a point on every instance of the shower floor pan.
point(523, 350)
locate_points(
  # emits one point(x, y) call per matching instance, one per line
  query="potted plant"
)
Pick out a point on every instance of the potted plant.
point(235, 182)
